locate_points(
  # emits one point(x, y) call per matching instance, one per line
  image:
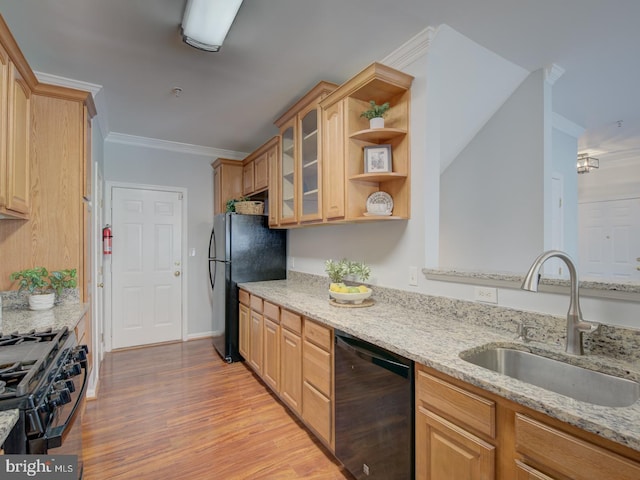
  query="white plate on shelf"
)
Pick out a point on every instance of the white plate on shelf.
point(379, 203)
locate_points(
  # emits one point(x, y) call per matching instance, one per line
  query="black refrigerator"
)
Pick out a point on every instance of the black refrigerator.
point(242, 248)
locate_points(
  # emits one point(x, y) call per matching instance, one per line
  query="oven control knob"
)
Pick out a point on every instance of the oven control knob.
point(72, 369)
point(80, 353)
point(65, 385)
point(59, 397)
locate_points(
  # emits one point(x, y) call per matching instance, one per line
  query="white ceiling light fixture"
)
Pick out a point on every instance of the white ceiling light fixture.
point(587, 163)
point(207, 22)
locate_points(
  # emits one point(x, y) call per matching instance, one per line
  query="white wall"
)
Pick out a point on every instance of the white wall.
point(491, 199)
point(152, 166)
point(391, 247)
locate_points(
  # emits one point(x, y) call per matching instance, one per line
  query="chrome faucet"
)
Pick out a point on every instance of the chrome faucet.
point(576, 326)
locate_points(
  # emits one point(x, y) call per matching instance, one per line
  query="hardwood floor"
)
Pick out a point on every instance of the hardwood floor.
point(177, 411)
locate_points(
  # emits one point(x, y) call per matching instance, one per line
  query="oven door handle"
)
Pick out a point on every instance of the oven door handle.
point(55, 436)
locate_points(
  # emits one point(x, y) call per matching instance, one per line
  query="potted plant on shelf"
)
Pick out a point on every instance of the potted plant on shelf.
point(43, 285)
point(376, 114)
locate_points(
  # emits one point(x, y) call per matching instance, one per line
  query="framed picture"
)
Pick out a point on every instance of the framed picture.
point(377, 159)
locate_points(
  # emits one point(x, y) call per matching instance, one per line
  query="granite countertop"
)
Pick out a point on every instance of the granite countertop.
point(434, 335)
point(21, 319)
point(8, 419)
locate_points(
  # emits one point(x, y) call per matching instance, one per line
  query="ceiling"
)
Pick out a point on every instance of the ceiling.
point(278, 49)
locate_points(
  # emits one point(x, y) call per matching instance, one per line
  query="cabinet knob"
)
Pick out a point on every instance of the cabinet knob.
point(176, 273)
point(101, 285)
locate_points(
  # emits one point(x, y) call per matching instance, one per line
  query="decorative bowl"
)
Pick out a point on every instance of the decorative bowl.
point(350, 297)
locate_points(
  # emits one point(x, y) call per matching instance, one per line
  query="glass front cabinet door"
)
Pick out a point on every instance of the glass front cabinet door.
point(300, 180)
point(310, 194)
point(288, 174)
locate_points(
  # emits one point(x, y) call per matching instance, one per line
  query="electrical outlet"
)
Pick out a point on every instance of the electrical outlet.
point(486, 294)
point(413, 276)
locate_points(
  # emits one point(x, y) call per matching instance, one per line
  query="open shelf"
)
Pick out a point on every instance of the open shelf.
point(378, 177)
point(378, 135)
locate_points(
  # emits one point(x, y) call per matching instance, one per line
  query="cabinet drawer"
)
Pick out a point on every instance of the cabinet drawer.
point(256, 304)
point(569, 455)
point(291, 321)
point(271, 311)
point(317, 367)
point(462, 407)
point(244, 297)
point(525, 472)
point(316, 411)
point(317, 334)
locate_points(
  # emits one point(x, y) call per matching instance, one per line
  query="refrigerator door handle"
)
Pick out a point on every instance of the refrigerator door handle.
point(212, 278)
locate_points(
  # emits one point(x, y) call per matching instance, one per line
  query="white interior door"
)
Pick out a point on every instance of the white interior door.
point(146, 267)
point(610, 240)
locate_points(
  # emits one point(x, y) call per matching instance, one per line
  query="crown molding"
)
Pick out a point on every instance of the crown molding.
point(411, 50)
point(96, 91)
point(210, 152)
point(552, 73)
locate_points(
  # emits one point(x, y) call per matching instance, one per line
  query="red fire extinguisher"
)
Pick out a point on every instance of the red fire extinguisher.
point(106, 239)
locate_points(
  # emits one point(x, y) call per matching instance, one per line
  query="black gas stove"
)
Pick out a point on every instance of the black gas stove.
point(44, 375)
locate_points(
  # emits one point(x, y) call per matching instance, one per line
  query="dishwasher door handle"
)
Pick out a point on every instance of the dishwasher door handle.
point(369, 356)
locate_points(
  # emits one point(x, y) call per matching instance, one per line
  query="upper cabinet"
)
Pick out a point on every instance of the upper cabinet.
point(255, 174)
point(299, 188)
point(350, 176)
point(15, 127)
point(227, 183)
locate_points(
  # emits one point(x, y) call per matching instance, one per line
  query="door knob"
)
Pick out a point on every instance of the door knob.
point(176, 273)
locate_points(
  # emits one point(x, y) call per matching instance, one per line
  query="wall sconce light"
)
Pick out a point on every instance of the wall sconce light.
point(587, 163)
point(207, 22)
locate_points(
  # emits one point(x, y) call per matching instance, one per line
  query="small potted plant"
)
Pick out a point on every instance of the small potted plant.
point(376, 114)
point(43, 285)
point(337, 271)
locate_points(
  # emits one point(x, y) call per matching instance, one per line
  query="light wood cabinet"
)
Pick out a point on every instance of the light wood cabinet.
point(317, 384)
point(444, 451)
point(291, 360)
point(553, 451)
point(227, 183)
point(272, 156)
point(450, 422)
point(256, 177)
point(345, 134)
point(294, 357)
point(255, 337)
point(300, 166)
point(271, 346)
point(463, 431)
point(244, 324)
point(15, 130)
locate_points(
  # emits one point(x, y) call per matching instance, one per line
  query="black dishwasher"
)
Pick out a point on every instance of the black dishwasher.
point(374, 410)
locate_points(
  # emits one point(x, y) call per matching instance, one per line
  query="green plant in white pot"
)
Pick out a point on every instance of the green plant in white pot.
point(337, 271)
point(43, 285)
point(375, 114)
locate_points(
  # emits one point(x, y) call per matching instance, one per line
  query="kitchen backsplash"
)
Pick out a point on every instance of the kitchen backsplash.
point(609, 341)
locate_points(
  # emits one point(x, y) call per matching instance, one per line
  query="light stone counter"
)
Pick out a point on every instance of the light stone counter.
point(8, 419)
point(21, 319)
point(434, 330)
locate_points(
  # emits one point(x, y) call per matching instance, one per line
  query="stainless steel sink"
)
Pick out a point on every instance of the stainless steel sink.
point(576, 382)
